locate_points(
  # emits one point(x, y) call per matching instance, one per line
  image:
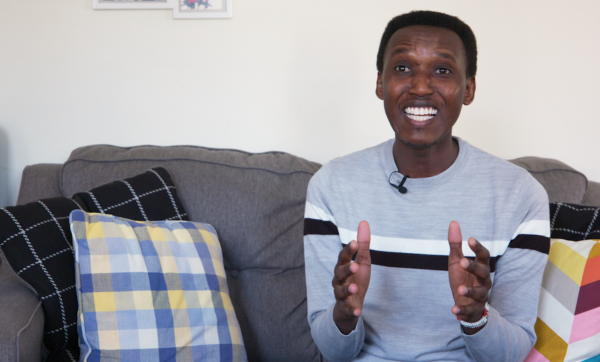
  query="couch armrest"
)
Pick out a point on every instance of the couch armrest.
point(21, 318)
point(41, 181)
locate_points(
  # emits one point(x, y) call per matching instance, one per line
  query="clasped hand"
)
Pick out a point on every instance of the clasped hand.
point(469, 279)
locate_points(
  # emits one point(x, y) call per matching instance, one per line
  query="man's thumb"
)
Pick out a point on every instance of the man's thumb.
point(364, 233)
point(454, 237)
point(363, 238)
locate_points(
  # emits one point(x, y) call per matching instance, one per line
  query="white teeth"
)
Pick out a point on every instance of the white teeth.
point(429, 112)
point(419, 118)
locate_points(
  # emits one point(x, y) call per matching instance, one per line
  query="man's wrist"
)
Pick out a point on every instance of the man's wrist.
point(472, 331)
point(344, 324)
point(471, 328)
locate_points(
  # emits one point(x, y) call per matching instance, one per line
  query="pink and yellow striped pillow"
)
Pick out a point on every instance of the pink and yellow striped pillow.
point(568, 324)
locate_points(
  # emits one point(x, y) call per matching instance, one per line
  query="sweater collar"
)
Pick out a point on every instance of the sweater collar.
point(426, 182)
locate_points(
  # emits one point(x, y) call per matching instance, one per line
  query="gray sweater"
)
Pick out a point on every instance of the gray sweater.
point(407, 311)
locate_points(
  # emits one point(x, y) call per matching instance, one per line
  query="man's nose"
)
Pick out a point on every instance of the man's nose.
point(421, 84)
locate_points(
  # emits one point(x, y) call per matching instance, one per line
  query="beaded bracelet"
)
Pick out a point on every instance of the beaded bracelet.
point(480, 322)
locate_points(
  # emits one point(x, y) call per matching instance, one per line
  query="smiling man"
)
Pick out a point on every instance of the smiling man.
point(403, 289)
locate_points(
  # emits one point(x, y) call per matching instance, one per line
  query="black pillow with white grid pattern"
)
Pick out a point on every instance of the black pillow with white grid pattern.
point(36, 240)
point(574, 222)
point(137, 198)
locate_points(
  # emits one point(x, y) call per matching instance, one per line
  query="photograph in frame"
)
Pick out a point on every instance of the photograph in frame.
point(132, 4)
point(199, 9)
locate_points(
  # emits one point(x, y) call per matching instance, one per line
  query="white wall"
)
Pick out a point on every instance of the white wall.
point(294, 76)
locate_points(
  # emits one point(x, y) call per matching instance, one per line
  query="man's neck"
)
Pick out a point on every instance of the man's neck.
point(425, 162)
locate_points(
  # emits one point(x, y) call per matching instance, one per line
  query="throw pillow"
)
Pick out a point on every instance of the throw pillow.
point(568, 324)
point(152, 291)
point(574, 222)
point(136, 197)
point(37, 243)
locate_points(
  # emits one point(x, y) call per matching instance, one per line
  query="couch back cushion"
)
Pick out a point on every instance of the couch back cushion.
point(39, 181)
point(256, 204)
point(562, 183)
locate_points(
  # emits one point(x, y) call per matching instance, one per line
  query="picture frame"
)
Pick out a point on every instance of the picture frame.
point(132, 4)
point(202, 9)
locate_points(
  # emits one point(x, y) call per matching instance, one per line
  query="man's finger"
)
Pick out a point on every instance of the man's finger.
point(345, 255)
point(470, 312)
point(342, 292)
point(348, 308)
point(343, 272)
point(363, 255)
point(479, 293)
point(351, 310)
point(477, 268)
point(481, 253)
point(455, 242)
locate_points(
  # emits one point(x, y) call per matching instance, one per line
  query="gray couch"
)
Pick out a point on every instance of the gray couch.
point(256, 204)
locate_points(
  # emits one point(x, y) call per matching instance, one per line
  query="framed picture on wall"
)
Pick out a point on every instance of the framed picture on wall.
point(132, 4)
point(199, 9)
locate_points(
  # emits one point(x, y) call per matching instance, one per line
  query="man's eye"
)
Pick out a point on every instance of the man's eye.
point(402, 68)
point(443, 71)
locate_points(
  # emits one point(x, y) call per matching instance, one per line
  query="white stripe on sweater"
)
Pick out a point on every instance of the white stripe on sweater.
point(314, 212)
point(533, 227)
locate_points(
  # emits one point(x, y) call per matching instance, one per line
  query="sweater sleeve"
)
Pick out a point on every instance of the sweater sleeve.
point(321, 248)
point(509, 333)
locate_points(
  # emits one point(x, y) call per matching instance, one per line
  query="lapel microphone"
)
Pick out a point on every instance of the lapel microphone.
point(400, 187)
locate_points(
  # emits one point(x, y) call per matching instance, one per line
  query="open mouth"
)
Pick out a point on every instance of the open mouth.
point(420, 114)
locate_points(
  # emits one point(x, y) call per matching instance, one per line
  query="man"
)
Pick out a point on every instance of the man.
point(411, 295)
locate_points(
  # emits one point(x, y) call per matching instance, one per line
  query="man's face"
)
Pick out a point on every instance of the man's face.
point(424, 84)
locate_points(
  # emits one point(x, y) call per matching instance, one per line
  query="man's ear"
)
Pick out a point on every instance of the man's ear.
point(379, 88)
point(470, 91)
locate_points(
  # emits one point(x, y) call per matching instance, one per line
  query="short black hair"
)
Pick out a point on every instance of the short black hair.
point(432, 18)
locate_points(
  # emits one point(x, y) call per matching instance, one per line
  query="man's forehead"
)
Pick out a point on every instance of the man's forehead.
point(408, 37)
point(405, 50)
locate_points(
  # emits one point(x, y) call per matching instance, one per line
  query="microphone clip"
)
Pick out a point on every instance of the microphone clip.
point(400, 187)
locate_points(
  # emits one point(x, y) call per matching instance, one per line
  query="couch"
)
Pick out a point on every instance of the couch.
point(256, 204)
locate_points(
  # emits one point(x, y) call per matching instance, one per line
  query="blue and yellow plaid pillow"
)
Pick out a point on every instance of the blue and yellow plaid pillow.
point(152, 291)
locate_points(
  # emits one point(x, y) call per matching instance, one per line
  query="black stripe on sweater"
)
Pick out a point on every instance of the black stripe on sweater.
point(440, 262)
point(531, 242)
point(319, 227)
point(417, 261)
